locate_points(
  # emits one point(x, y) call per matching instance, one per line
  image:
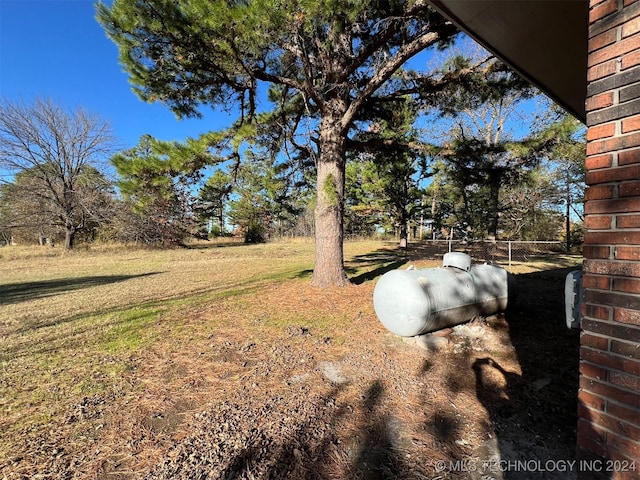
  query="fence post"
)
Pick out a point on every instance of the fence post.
point(509, 252)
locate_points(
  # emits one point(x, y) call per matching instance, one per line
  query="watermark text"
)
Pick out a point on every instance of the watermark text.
point(496, 465)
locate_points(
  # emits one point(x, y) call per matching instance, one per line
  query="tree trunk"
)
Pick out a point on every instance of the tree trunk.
point(404, 232)
point(568, 213)
point(69, 231)
point(69, 220)
point(69, 237)
point(494, 195)
point(329, 260)
point(221, 222)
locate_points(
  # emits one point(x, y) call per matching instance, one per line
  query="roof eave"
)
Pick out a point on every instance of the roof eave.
point(543, 41)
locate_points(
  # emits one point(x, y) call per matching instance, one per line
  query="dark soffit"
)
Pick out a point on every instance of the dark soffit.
point(545, 41)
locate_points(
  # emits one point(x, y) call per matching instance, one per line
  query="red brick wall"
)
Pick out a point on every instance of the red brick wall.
point(609, 397)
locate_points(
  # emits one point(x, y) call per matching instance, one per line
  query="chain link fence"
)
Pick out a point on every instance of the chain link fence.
point(498, 252)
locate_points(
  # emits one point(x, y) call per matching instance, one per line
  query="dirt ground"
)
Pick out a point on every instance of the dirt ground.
point(339, 399)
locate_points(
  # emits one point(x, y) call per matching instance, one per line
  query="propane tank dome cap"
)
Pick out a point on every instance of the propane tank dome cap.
point(457, 260)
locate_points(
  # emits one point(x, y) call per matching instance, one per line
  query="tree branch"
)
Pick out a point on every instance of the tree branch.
point(425, 40)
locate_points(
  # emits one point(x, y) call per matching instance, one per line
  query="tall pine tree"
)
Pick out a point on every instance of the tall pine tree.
point(327, 62)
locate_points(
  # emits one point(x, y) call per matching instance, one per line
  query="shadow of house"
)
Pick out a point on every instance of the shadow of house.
point(527, 410)
point(547, 350)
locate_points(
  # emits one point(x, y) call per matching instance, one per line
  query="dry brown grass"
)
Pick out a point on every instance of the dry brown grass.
point(75, 327)
point(113, 361)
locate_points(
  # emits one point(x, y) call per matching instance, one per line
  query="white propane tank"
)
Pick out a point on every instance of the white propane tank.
point(414, 302)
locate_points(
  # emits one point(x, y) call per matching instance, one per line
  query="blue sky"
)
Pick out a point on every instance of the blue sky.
point(56, 49)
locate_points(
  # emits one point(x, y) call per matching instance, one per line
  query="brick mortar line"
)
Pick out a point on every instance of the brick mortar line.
point(607, 383)
point(613, 20)
point(609, 414)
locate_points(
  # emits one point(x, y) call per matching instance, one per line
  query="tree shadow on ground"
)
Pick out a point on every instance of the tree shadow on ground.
point(533, 413)
point(380, 262)
point(270, 457)
point(390, 258)
point(279, 447)
point(307, 273)
point(372, 453)
point(375, 273)
point(231, 242)
point(26, 291)
point(377, 454)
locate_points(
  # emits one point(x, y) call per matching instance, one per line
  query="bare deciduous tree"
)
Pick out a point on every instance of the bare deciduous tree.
point(56, 148)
